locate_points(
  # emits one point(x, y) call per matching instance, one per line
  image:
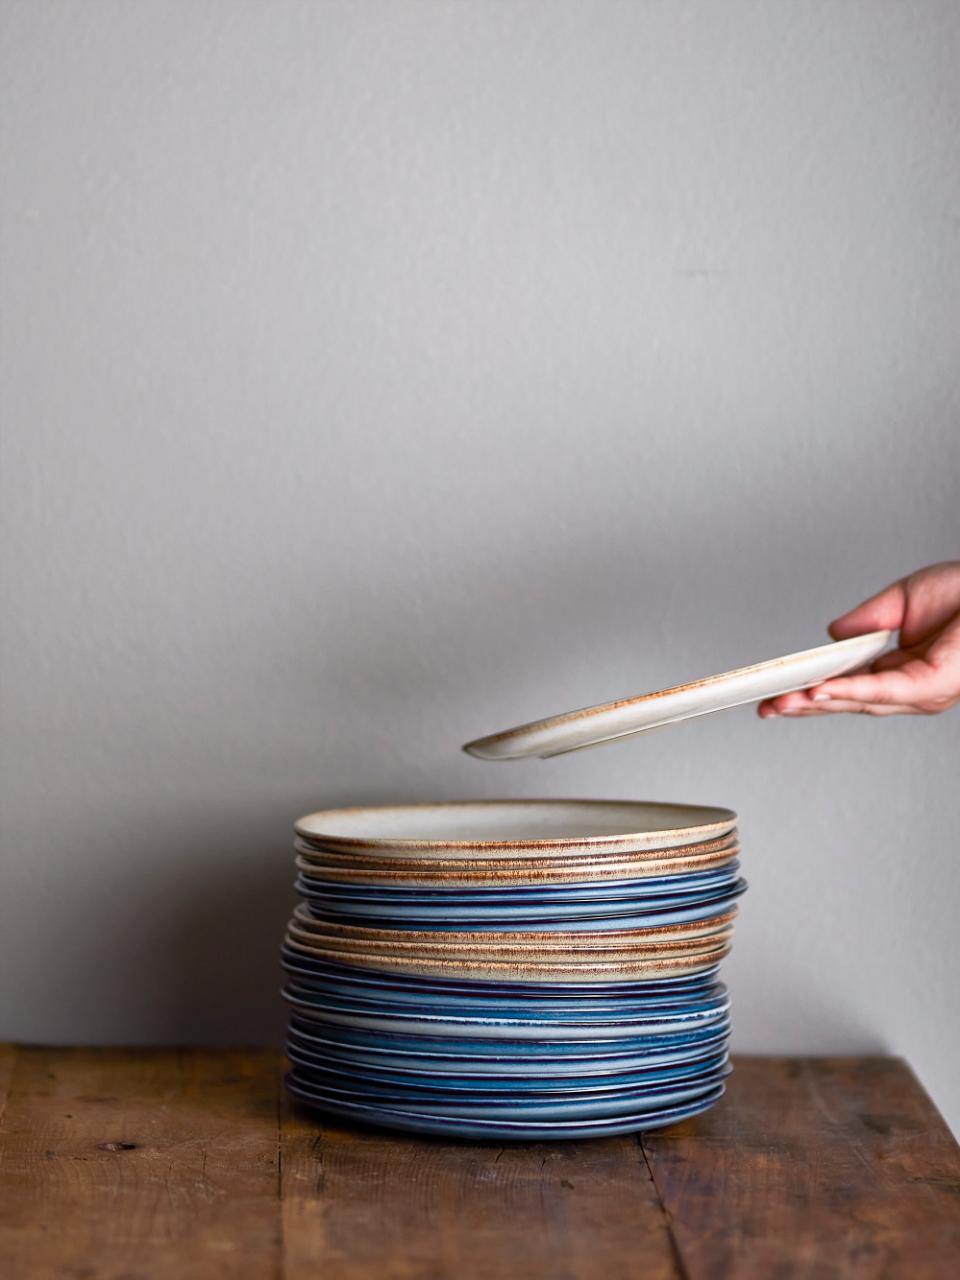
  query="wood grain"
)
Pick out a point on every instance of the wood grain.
point(361, 1204)
point(813, 1167)
point(124, 1163)
point(143, 1165)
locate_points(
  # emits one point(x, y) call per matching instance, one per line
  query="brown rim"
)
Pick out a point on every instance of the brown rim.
point(691, 928)
point(723, 820)
point(542, 876)
point(518, 970)
point(314, 851)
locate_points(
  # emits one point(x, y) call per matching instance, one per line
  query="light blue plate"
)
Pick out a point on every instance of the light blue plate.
point(583, 1106)
point(329, 895)
point(528, 1130)
point(562, 1027)
point(308, 989)
point(316, 1068)
point(526, 914)
point(597, 1060)
point(370, 1045)
point(553, 920)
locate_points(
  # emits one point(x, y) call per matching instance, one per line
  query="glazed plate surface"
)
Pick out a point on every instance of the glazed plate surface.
point(610, 720)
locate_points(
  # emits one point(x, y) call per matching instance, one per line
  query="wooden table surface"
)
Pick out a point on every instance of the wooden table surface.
point(135, 1164)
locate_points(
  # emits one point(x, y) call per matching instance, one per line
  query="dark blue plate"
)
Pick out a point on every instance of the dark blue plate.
point(504, 1015)
point(532, 1130)
point(316, 1068)
point(517, 1105)
point(462, 1047)
point(511, 1065)
point(587, 920)
point(309, 989)
point(332, 897)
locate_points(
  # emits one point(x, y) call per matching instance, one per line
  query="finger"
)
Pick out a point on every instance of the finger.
point(882, 612)
point(849, 707)
point(913, 683)
point(787, 701)
point(890, 661)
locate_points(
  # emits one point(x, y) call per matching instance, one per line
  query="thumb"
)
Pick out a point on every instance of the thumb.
point(882, 612)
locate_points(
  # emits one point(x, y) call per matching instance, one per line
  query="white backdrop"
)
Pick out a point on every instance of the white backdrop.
point(376, 375)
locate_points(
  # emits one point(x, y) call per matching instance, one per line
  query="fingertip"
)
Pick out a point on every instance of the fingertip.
point(847, 626)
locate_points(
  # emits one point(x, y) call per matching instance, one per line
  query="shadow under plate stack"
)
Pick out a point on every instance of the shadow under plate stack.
point(512, 969)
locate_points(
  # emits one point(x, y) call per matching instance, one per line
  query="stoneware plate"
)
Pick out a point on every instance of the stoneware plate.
point(411, 987)
point(530, 971)
point(515, 828)
point(445, 915)
point(530, 873)
point(585, 1006)
point(700, 921)
point(575, 1106)
point(577, 890)
point(530, 1130)
point(466, 1054)
point(492, 1084)
point(609, 720)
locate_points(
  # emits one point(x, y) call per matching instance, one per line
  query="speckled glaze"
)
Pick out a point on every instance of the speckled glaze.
point(479, 875)
point(478, 970)
point(515, 828)
point(530, 971)
point(589, 726)
point(306, 924)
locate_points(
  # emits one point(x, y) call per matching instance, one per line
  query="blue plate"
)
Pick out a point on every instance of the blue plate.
point(464, 1047)
point(518, 1106)
point(552, 920)
point(317, 1068)
point(526, 1130)
point(516, 1028)
point(437, 902)
point(514, 1060)
point(308, 989)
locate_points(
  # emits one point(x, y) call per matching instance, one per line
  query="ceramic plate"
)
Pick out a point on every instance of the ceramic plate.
point(529, 1130)
point(395, 984)
point(464, 1054)
point(586, 1006)
point(492, 1084)
point(592, 725)
point(528, 971)
point(488, 874)
point(512, 894)
point(517, 1106)
point(465, 915)
point(514, 828)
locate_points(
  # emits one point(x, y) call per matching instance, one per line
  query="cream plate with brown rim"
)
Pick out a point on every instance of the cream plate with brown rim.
point(593, 725)
point(511, 829)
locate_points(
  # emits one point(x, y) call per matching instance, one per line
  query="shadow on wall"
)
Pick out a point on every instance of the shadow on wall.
point(193, 955)
point(169, 920)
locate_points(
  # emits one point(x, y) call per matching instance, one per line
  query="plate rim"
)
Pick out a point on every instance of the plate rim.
point(719, 820)
point(489, 746)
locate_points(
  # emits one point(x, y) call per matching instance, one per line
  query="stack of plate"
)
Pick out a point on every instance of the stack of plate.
point(525, 969)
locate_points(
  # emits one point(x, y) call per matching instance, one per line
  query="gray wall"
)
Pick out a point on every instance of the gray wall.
point(379, 374)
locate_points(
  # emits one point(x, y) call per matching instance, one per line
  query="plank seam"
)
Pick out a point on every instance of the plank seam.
point(678, 1262)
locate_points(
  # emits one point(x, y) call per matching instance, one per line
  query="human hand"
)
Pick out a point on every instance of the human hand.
point(920, 677)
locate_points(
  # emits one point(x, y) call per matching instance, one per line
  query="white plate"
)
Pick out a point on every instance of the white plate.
point(513, 828)
point(592, 725)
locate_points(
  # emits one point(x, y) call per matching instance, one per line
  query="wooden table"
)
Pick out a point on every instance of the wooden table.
point(138, 1164)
